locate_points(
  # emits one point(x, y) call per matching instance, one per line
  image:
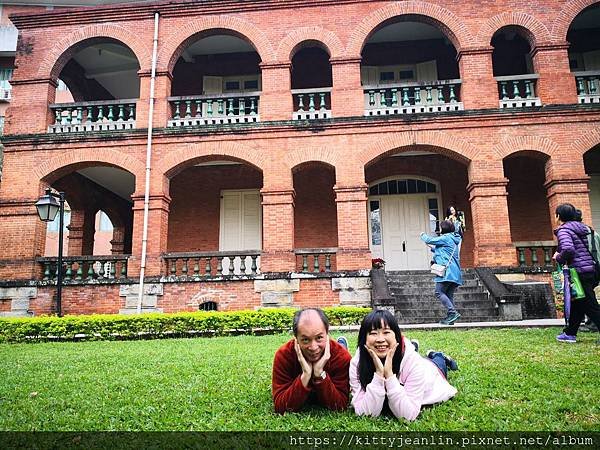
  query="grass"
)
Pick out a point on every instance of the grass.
point(509, 380)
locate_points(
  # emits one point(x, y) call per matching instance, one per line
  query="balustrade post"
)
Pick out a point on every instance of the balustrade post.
point(405, 99)
point(188, 109)
point(327, 262)
point(184, 268)
point(305, 263)
point(315, 262)
point(254, 267)
point(243, 264)
point(521, 257)
point(534, 256)
point(547, 257)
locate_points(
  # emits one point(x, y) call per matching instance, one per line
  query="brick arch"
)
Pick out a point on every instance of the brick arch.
point(179, 40)
point(441, 143)
point(567, 14)
point(526, 143)
point(53, 169)
point(291, 41)
point(175, 161)
point(301, 156)
point(445, 20)
point(586, 142)
point(67, 46)
point(535, 31)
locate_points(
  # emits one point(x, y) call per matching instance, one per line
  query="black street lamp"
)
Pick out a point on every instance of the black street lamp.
point(47, 207)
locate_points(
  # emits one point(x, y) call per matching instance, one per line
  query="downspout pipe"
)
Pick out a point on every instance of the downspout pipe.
point(148, 165)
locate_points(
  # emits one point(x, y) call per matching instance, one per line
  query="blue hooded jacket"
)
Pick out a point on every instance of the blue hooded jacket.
point(445, 245)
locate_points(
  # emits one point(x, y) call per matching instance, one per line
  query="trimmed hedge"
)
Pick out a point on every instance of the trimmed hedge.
point(156, 325)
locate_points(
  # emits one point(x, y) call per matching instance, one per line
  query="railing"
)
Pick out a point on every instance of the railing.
point(315, 259)
point(93, 116)
point(518, 91)
point(311, 103)
point(210, 264)
point(5, 91)
point(588, 86)
point(535, 253)
point(413, 98)
point(86, 268)
point(214, 109)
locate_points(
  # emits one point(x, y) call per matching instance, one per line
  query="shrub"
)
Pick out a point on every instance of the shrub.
point(155, 325)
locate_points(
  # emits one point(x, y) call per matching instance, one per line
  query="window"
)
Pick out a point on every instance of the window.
point(251, 85)
point(232, 86)
point(406, 75)
point(386, 76)
point(403, 186)
point(208, 306)
point(375, 213)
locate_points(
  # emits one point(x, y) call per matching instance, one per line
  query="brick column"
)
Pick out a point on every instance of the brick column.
point(556, 84)
point(29, 110)
point(158, 221)
point(347, 97)
point(491, 226)
point(276, 98)
point(75, 235)
point(569, 190)
point(278, 231)
point(118, 241)
point(22, 239)
point(353, 234)
point(479, 89)
point(162, 90)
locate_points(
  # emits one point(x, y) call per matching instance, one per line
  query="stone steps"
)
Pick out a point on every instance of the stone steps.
point(414, 300)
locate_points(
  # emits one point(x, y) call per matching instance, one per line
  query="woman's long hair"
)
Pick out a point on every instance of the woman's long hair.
point(374, 321)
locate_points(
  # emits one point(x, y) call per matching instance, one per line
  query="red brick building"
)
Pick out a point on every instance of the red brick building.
point(275, 147)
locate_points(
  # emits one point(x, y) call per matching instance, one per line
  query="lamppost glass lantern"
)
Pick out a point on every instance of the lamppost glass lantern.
point(47, 207)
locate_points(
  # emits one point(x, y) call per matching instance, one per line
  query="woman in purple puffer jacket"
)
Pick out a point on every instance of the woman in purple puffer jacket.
point(573, 251)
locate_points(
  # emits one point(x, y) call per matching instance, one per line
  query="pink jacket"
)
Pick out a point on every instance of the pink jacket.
point(419, 382)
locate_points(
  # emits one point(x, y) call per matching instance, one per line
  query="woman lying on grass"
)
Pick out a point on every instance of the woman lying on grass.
point(387, 371)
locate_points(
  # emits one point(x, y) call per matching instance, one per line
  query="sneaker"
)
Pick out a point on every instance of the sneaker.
point(453, 317)
point(566, 338)
point(451, 363)
point(343, 342)
point(415, 342)
point(446, 321)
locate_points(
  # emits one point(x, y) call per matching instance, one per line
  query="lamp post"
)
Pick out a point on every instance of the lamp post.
point(47, 207)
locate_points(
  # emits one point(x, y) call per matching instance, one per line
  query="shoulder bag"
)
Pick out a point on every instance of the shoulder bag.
point(439, 269)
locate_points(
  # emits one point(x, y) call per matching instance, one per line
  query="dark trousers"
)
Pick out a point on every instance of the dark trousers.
point(587, 305)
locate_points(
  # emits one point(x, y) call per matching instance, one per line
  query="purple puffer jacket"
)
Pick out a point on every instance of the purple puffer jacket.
point(573, 247)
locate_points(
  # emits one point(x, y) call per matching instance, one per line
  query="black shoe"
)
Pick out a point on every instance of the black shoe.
point(451, 363)
point(415, 342)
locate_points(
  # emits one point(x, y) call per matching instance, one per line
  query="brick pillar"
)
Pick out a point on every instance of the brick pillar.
point(276, 99)
point(118, 241)
point(278, 231)
point(162, 109)
point(75, 235)
point(479, 89)
point(556, 84)
point(353, 234)
point(567, 182)
point(158, 221)
point(29, 110)
point(491, 226)
point(347, 97)
point(22, 239)
point(89, 231)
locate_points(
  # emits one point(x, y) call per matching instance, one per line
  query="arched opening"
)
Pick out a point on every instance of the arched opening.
point(528, 209)
point(311, 79)
point(409, 65)
point(217, 79)
point(97, 87)
point(584, 53)
point(216, 216)
point(103, 233)
point(315, 215)
point(513, 67)
point(409, 191)
point(591, 161)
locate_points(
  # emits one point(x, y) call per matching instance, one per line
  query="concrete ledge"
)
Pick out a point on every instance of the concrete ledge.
point(535, 323)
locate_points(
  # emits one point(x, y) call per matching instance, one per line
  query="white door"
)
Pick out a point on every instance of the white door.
point(403, 218)
point(240, 225)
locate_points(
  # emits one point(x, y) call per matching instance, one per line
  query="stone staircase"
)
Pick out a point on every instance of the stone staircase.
point(415, 302)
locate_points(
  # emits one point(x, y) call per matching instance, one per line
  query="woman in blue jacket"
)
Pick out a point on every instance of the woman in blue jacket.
point(446, 252)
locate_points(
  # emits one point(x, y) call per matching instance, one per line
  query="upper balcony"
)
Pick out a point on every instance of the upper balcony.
point(408, 65)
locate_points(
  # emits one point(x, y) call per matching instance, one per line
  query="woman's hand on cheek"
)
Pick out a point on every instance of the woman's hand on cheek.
point(387, 368)
point(378, 364)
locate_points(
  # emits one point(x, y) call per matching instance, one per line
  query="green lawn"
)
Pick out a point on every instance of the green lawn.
point(508, 380)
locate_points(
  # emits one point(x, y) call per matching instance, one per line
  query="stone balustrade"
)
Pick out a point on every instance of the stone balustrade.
point(413, 98)
point(315, 260)
point(102, 115)
point(588, 86)
point(518, 91)
point(85, 268)
point(214, 109)
point(535, 254)
point(210, 264)
point(311, 103)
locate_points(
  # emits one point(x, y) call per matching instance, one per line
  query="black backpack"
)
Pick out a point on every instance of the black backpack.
point(594, 248)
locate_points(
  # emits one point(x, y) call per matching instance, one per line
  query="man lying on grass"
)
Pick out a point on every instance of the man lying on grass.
point(311, 367)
